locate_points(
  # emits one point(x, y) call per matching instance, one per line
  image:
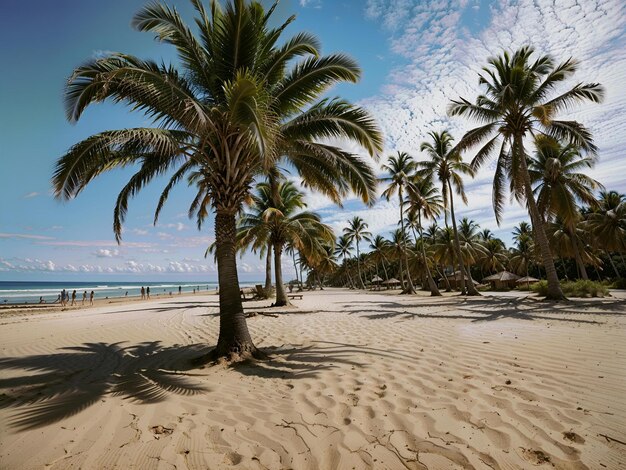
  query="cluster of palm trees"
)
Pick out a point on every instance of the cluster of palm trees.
point(431, 250)
point(245, 106)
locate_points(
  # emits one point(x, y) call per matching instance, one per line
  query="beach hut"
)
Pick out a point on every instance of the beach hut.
point(526, 280)
point(502, 280)
point(391, 283)
point(376, 280)
point(454, 280)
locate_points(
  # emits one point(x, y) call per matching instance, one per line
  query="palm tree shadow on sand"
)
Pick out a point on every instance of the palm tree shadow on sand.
point(73, 380)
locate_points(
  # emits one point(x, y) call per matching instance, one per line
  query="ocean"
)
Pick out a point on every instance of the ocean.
point(12, 292)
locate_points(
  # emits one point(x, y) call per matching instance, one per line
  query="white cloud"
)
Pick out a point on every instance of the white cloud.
point(442, 54)
point(105, 253)
point(178, 226)
point(31, 195)
point(311, 3)
point(128, 267)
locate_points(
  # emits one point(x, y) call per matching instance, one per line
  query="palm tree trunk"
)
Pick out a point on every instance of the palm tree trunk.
point(457, 242)
point(613, 264)
point(295, 266)
point(409, 287)
point(234, 338)
point(358, 265)
point(382, 261)
point(281, 295)
point(554, 287)
point(268, 271)
point(434, 291)
point(578, 257)
point(445, 279)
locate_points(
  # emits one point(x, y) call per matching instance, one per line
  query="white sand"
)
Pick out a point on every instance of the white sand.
point(357, 380)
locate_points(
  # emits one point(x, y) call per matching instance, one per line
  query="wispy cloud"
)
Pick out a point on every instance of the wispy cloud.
point(31, 195)
point(311, 3)
point(95, 243)
point(443, 52)
point(24, 236)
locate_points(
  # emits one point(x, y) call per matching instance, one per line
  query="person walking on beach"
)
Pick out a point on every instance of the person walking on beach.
point(143, 293)
point(63, 298)
point(179, 290)
point(91, 298)
point(148, 292)
point(84, 297)
point(73, 298)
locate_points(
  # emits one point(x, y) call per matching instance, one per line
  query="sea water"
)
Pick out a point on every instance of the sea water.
point(12, 292)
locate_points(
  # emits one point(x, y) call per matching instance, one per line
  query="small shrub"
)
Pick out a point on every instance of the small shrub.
point(540, 288)
point(619, 283)
point(585, 289)
point(574, 288)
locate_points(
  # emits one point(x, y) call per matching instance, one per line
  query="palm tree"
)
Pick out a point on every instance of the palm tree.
point(492, 257)
point(607, 224)
point(446, 165)
point(566, 241)
point(398, 248)
point(486, 235)
point(471, 246)
point(357, 231)
point(281, 224)
point(241, 100)
point(322, 265)
point(424, 200)
point(514, 106)
point(522, 255)
point(380, 246)
point(399, 167)
point(559, 187)
point(343, 248)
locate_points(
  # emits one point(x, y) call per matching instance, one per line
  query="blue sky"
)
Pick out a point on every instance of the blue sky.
point(415, 56)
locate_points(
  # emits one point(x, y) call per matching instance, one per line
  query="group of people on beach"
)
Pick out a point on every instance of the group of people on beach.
point(64, 298)
point(145, 292)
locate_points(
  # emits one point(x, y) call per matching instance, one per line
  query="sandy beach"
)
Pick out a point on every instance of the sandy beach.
point(355, 380)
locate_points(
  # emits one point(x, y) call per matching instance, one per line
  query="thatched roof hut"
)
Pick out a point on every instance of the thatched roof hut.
point(391, 282)
point(502, 280)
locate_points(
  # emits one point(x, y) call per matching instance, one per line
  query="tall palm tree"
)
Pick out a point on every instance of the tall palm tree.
point(242, 99)
point(560, 187)
point(280, 224)
point(343, 248)
point(357, 231)
point(446, 165)
point(399, 167)
point(424, 201)
point(516, 105)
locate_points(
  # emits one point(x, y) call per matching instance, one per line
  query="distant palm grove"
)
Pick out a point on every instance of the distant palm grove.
point(243, 118)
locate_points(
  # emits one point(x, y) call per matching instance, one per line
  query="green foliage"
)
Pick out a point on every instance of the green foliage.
point(574, 288)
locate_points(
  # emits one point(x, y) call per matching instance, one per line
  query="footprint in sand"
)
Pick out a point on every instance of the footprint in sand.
point(535, 457)
point(573, 437)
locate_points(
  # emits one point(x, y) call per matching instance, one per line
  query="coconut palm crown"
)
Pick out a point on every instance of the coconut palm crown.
point(516, 104)
point(241, 99)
